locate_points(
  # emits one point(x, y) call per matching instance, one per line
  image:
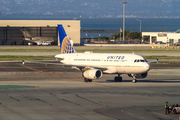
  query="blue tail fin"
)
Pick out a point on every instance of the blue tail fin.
point(65, 44)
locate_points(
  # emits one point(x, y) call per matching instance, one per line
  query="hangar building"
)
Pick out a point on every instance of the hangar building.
point(10, 30)
point(165, 37)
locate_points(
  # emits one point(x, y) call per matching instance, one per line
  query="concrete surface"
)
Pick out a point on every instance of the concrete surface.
point(61, 94)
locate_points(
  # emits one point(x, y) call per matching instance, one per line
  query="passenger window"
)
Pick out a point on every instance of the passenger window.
point(135, 61)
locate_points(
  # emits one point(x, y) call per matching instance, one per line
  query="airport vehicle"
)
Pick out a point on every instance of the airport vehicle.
point(94, 65)
point(177, 43)
point(39, 40)
point(174, 109)
point(158, 42)
point(44, 43)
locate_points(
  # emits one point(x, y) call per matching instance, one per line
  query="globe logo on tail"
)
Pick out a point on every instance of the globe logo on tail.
point(66, 46)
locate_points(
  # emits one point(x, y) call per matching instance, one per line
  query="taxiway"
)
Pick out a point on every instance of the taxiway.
point(60, 93)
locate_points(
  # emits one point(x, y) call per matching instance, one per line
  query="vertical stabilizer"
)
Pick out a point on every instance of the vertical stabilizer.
point(26, 33)
point(66, 45)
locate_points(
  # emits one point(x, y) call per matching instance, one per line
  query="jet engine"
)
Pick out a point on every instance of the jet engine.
point(143, 75)
point(92, 74)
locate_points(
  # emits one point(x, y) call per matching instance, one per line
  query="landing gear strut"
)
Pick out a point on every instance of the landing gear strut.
point(118, 78)
point(87, 80)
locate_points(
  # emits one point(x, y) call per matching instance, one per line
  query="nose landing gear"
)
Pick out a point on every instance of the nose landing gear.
point(87, 80)
point(134, 79)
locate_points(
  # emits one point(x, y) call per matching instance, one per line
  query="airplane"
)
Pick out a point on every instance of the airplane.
point(38, 40)
point(94, 65)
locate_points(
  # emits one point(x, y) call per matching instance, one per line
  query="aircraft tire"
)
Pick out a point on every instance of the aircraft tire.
point(89, 80)
point(116, 79)
point(119, 79)
point(86, 80)
point(134, 81)
point(174, 111)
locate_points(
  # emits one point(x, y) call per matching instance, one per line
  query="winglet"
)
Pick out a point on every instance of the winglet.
point(23, 62)
point(157, 60)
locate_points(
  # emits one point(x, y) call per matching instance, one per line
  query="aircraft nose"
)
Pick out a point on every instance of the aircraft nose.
point(147, 67)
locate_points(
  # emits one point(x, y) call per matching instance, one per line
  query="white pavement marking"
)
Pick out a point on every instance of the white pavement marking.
point(142, 117)
point(131, 114)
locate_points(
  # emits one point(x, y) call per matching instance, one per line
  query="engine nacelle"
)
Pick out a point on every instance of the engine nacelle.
point(92, 74)
point(143, 75)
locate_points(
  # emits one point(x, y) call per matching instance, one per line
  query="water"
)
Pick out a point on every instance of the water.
point(95, 35)
point(132, 24)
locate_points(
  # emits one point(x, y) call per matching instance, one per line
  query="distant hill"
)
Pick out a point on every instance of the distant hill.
point(89, 8)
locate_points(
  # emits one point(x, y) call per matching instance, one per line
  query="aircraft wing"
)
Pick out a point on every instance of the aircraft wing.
point(83, 67)
point(80, 67)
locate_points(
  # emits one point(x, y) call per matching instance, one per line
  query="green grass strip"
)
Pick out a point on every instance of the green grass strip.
point(168, 62)
point(15, 86)
point(30, 50)
point(127, 50)
point(162, 57)
point(12, 58)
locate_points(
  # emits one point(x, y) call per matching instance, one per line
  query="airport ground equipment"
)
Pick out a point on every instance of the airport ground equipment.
point(175, 109)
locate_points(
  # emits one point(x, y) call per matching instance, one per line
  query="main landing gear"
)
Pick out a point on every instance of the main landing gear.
point(87, 80)
point(118, 78)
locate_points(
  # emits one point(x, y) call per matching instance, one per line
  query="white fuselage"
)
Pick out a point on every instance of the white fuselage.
point(40, 40)
point(115, 63)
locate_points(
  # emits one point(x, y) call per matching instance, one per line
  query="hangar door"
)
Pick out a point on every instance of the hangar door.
point(14, 36)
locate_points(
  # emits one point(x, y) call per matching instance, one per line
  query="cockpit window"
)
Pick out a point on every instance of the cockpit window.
point(141, 60)
point(145, 60)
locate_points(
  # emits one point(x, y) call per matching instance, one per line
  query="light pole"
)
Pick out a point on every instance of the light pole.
point(120, 34)
point(124, 2)
point(140, 24)
point(140, 28)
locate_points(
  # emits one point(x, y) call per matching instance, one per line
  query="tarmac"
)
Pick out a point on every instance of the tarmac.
point(51, 92)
